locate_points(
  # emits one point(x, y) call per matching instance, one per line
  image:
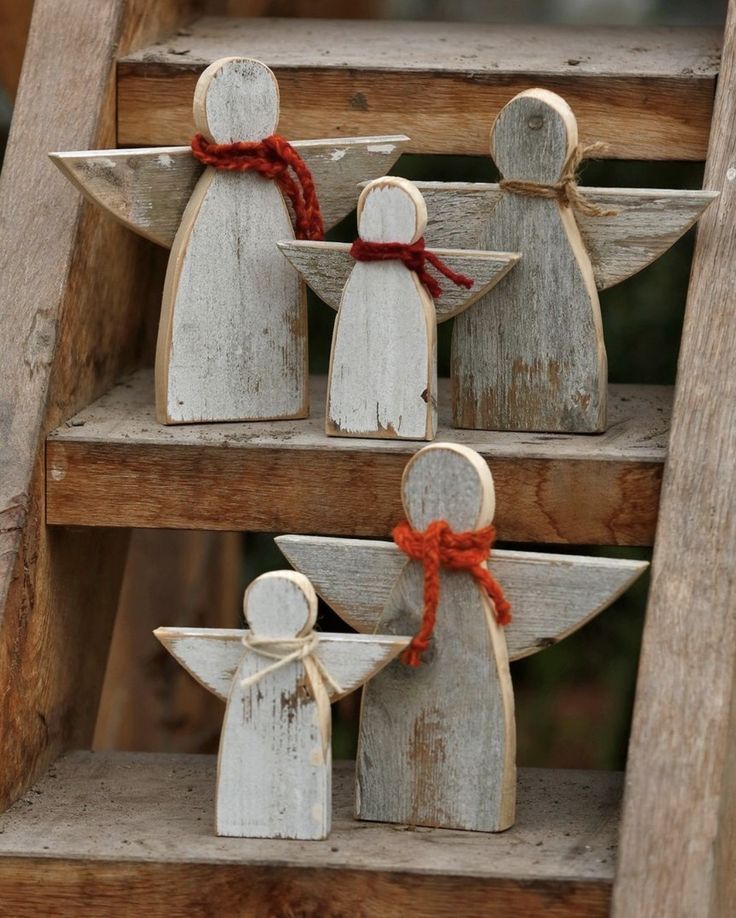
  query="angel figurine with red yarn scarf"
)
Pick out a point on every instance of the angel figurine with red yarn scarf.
point(437, 732)
point(383, 365)
point(232, 343)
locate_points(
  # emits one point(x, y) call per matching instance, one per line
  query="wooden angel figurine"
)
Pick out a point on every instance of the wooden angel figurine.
point(437, 731)
point(274, 773)
point(232, 342)
point(383, 365)
point(530, 354)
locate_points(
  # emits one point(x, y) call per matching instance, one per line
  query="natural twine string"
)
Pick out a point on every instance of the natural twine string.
point(566, 190)
point(283, 652)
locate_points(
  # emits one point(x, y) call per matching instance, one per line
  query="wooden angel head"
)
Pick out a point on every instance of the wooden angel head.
point(534, 136)
point(391, 209)
point(280, 605)
point(448, 481)
point(236, 99)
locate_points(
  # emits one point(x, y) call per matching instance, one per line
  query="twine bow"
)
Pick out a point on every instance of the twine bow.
point(566, 190)
point(414, 255)
point(438, 546)
point(285, 651)
point(272, 158)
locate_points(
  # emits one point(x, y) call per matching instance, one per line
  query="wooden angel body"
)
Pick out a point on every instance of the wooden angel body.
point(530, 354)
point(437, 741)
point(383, 362)
point(274, 775)
point(232, 341)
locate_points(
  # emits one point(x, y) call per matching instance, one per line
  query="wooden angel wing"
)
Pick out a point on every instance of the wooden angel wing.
point(648, 222)
point(551, 595)
point(148, 189)
point(212, 655)
point(326, 266)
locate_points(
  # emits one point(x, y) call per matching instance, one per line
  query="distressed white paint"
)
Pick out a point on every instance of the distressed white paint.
point(437, 743)
point(149, 194)
point(383, 365)
point(326, 267)
point(552, 595)
point(274, 764)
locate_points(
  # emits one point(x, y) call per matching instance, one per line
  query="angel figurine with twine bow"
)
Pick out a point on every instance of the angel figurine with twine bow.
point(274, 771)
point(437, 732)
point(232, 343)
point(383, 363)
point(530, 355)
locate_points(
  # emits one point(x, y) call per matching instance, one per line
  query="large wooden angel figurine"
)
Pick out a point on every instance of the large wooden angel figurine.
point(232, 341)
point(437, 734)
point(530, 355)
point(383, 364)
point(274, 770)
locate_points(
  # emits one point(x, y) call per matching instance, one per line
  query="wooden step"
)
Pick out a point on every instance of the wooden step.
point(114, 465)
point(116, 834)
point(647, 93)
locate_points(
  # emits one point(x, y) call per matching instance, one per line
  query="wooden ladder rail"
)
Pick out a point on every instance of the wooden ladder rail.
point(74, 290)
point(678, 836)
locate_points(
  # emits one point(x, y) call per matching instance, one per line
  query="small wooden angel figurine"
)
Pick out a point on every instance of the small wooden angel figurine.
point(530, 354)
point(232, 342)
point(274, 775)
point(437, 731)
point(383, 365)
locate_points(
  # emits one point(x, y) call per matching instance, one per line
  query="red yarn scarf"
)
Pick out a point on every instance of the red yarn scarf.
point(414, 256)
point(438, 546)
point(272, 158)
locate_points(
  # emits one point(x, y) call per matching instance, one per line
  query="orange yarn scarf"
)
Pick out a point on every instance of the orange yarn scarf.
point(438, 546)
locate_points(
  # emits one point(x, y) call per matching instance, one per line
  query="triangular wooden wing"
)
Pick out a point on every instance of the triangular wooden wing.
point(551, 595)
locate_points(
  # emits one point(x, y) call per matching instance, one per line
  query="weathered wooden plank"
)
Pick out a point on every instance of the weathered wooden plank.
point(118, 833)
point(61, 350)
point(113, 465)
point(15, 19)
point(647, 221)
point(148, 189)
point(679, 841)
point(341, 78)
point(551, 595)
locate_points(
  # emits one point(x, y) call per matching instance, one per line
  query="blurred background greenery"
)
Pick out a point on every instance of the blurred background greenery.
point(573, 700)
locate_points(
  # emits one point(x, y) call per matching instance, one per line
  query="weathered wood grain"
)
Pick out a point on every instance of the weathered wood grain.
point(326, 267)
point(232, 342)
point(58, 591)
point(552, 595)
point(383, 361)
point(148, 190)
point(679, 840)
point(274, 765)
point(424, 731)
point(211, 656)
point(615, 80)
point(647, 223)
point(113, 465)
point(530, 354)
point(15, 20)
point(81, 844)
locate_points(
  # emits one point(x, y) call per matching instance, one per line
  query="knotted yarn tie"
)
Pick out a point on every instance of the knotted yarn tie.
point(436, 547)
point(272, 158)
point(284, 651)
point(566, 190)
point(414, 255)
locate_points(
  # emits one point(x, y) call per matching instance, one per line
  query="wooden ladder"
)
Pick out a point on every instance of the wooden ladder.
point(83, 461)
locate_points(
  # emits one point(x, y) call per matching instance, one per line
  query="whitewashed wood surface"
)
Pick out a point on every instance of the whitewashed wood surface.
point(148, 189)
point(437, 743)
point(326, 267)
point(552, 595)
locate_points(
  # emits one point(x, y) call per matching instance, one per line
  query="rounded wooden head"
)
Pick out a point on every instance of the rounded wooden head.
point(280, 604)
point(391, 209)
point(237, 98)
point(534, 136)
point(446, 481)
